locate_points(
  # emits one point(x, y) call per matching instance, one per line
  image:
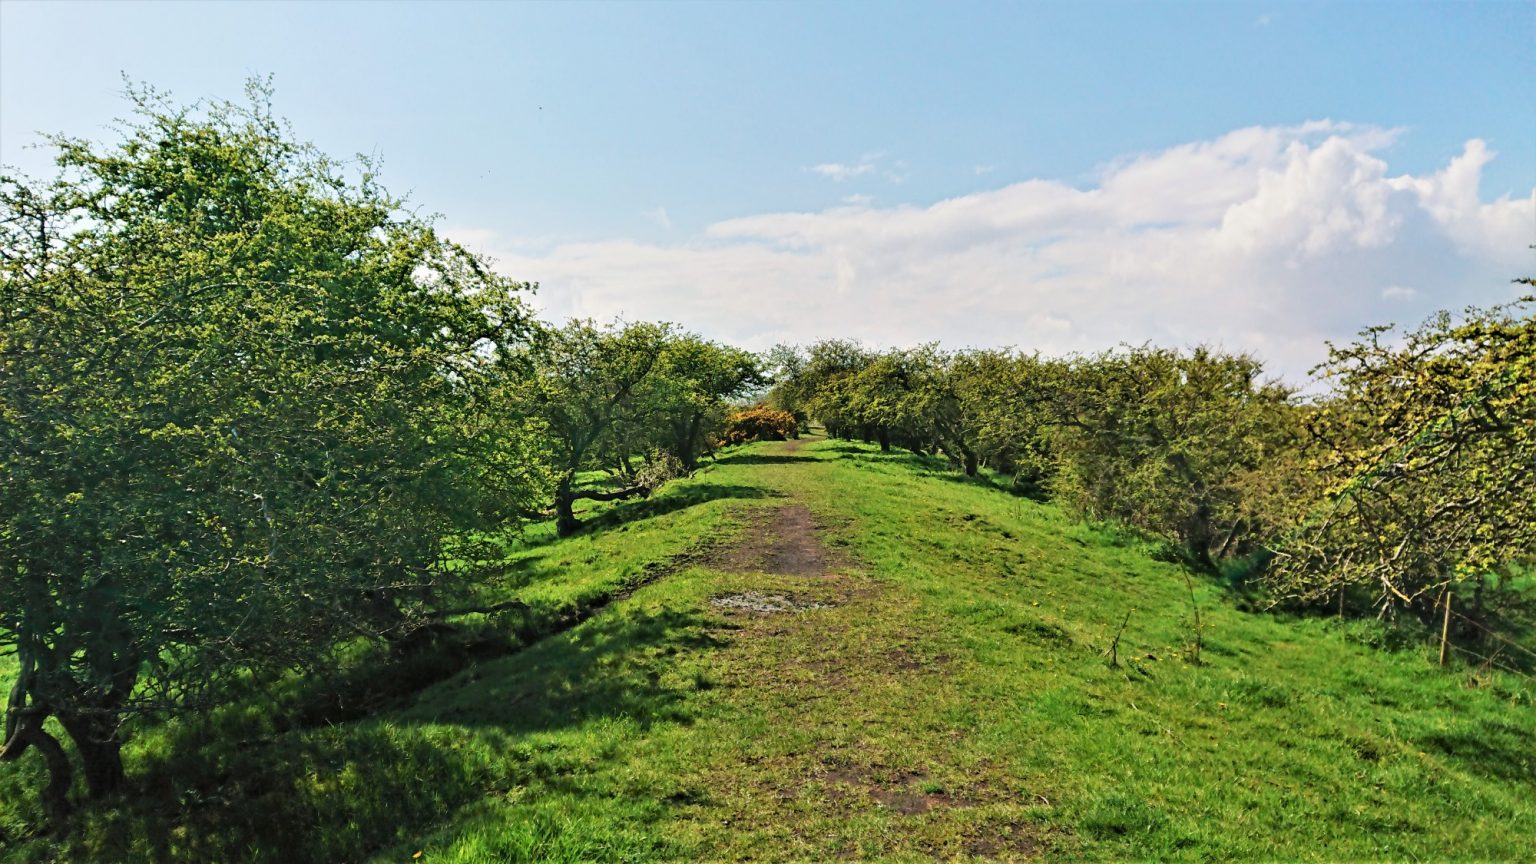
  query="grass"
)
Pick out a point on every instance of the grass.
point(947, 698)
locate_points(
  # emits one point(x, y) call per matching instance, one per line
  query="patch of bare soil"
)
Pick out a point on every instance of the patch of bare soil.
point(903, 793)
point(766, 604)
point(906, 793)
point(907, 659)
point(1012, 843)
point(777, 540)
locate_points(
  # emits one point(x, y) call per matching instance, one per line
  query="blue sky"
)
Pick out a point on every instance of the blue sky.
point(1052, 175)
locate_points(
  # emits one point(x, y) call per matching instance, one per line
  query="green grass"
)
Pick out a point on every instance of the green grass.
point(950, 701)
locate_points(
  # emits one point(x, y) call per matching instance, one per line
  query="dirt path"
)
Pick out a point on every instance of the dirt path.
point(779, 540)
point(838, 673)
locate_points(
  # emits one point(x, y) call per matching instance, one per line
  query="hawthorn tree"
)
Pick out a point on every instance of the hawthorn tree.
point(241, 403)
point(879, 397)
point(1426, 455)
point(1008, 399)
point(909, 397)
point(585, 392)
point(691, 390)
point(821, 386)
point(784, 369)
point(1165, 441)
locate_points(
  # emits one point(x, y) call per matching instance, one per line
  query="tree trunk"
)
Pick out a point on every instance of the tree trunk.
point(1199, 533)
point(101, 751)
point(688, 451)
point(565, 517)
point(1225, 545)
point(95, 715)
point(1198, 537)
point(28, 732)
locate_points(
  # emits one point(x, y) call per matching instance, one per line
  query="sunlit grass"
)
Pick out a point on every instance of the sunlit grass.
point(952, 700)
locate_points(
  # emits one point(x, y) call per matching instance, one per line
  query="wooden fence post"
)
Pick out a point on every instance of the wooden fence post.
point(1445, 626)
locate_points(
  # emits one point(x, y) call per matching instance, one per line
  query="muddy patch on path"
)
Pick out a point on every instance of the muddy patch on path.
point(766, 604)
point(903, 793)
point(778, 540)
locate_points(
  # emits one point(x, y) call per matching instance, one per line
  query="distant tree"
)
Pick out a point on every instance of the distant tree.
point(1010, 401)
point(908, 397)
point(1426, 459)
point(822, 386)
point(586, 392)
point(1164, 441)
point(784, 369)
point(879, 398)
point(240, 406)
point(695, 381)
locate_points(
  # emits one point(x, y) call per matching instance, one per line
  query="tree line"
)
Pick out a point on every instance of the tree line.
point(253, 409)
point(1412, 475)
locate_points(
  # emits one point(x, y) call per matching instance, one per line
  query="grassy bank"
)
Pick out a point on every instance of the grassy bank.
point(939, 691)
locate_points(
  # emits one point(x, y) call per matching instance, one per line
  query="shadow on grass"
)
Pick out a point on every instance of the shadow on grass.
point(345, 792)
point(1489, 749)
point(612, 668)
point(761, 459)
point(680, 498)
point(671, 500)
point(850, 451)
point(950, 474)
point(853, 449)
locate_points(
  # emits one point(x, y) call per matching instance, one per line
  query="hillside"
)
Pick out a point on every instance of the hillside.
point(813, 651)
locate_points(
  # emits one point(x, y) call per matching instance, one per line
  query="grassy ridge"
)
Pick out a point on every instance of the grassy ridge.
point(950, 700)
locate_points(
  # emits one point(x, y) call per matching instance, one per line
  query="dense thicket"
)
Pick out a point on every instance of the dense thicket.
point(1425, 452)
point(759, 423)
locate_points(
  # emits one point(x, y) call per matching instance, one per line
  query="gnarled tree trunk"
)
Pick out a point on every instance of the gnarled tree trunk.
point(23, 730)
point(101, 751)
point(29, 732)
point(566, 523)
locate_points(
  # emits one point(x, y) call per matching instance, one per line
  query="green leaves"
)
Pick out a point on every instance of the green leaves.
point(1171, 443)
point(1425, 451)
point(244, 401)
point(603, 397)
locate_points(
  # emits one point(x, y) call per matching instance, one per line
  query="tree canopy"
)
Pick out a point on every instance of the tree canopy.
point(1424, 461)
point(239, 389)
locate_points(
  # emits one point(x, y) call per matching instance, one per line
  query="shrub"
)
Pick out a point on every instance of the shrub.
point(757, 424)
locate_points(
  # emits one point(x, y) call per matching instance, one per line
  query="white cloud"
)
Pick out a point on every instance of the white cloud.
point(1270, 239)
point(839, 171)
point(984, 169)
